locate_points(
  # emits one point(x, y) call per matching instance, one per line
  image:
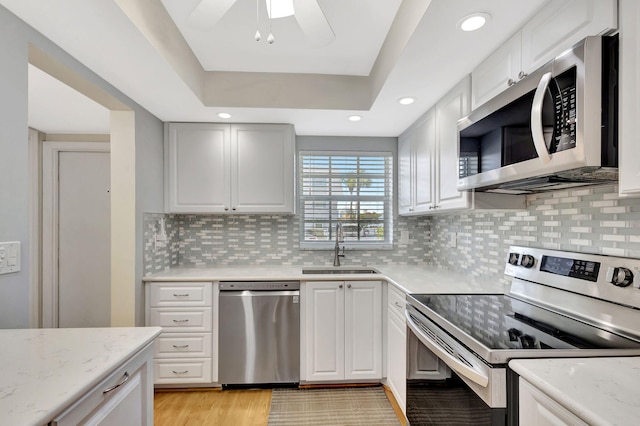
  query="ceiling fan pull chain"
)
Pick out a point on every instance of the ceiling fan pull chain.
point(257, 36)
point(270, 37)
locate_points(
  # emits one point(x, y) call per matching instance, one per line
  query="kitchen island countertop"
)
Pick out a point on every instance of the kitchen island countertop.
point(44, 371)
point(408, 278)
point(601, 391)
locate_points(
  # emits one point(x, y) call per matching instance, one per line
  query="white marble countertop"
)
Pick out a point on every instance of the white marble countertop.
point(43, 371)
point(408, 278)
point(601, 391)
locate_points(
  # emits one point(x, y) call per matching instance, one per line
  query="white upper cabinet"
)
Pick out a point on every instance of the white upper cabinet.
point(452, 107)
point(500, 70)
point(415, 163)
point(223, 168)
point(629, 84)
point(557, 27)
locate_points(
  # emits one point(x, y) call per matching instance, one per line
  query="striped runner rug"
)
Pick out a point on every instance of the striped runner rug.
point(336, 407)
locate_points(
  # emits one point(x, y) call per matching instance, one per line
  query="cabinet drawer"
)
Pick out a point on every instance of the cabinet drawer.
point(180, 294)
point(177, 371)
point(126, 382)
point(179, 345)
point(396, 301)
point(181, 319)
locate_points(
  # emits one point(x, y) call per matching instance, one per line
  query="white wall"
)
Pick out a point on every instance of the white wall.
point(15, 37)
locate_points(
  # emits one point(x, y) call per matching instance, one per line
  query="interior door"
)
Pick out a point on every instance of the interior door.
point(76, 235)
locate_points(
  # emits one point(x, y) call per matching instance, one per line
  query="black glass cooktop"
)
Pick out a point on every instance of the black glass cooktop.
point(499, 321)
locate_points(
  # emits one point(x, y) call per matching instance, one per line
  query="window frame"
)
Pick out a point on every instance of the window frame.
point(387, 199)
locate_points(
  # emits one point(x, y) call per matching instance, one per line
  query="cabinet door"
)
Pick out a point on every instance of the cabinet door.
point(262, 161)
point(363, 330)
point(397, 356)
point(324, 328)
point(497, 72)
point(424, 364)
point(405, 172)
point(629, 97)
point(560, 25)
point(449, 110)
point(424, 151)
point(198, 168)
point(538, 409)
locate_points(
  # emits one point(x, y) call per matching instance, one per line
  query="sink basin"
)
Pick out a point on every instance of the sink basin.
point(339, 271)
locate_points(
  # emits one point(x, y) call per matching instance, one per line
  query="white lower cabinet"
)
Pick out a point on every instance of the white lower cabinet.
point(342, 338)
point(186, 351)
point(397, 346)
point(123, 398)
point(538, 409)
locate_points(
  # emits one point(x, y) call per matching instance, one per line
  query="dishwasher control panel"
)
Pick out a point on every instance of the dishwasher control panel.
point(259, 285)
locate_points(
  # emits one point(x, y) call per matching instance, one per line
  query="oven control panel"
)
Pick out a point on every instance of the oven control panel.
point(615, 279)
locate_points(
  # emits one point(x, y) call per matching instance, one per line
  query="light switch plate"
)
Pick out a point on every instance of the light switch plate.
point(10, 257)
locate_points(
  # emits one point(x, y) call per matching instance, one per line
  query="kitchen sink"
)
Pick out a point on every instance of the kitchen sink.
point(339, 271)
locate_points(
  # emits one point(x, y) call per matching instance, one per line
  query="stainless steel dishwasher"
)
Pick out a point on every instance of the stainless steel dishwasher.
point(259, 335)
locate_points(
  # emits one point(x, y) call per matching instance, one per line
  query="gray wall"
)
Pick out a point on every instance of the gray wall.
point(14, 178)
point(15, 37)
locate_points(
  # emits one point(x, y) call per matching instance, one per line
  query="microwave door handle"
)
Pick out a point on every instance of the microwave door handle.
point(536, 119)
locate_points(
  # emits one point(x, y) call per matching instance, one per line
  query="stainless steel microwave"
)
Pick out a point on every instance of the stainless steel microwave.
point(556, 128)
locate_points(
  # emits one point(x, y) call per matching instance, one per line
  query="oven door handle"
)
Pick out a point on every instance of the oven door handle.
point(451, 361)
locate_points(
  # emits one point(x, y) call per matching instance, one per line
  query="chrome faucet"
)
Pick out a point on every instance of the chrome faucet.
point(336, 250)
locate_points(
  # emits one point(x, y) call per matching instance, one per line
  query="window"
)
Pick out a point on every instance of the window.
point(354, 189)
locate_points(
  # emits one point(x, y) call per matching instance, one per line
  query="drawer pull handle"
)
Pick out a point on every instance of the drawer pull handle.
point(398, 304)
point(181, 346)
point(180, 295)
point(122, 381)
point(180, 372)
point(182, 321)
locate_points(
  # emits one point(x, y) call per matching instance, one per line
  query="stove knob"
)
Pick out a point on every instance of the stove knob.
point(527, 342)
point(514, 334)
point(527, 261)
point(621, 277)
point(513, 258)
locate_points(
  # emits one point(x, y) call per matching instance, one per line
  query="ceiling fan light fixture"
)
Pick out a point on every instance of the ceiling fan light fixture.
point(224, 115)
point(355, 118)
point(407, 100)
point(279, 8)
point(474, 21)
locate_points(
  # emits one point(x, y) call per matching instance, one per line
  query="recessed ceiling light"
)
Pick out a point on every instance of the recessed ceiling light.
point(406, 100)
point(474, 21)
point(355, 118)
point(224, 115)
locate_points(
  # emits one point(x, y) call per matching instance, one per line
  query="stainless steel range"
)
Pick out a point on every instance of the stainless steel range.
point(560, 304)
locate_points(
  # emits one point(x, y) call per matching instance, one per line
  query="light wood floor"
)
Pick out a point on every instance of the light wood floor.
point(194, 407)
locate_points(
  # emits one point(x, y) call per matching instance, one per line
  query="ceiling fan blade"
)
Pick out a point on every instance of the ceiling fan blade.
point(313, 22)
point(208, 12)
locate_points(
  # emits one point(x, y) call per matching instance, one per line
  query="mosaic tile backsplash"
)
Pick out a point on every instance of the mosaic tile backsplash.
point(592, 220)
point(226, 240)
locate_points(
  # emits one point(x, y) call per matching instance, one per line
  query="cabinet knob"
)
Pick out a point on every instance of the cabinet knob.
point(510, 82)
point(348, 285)
point(234, 209)
point(340, 286)
point(522, 75)
point(226, 209)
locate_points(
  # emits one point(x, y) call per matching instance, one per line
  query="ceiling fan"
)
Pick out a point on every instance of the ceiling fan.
point(307, 12)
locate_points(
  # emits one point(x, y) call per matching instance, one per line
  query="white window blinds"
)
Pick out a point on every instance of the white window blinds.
point(354, 189)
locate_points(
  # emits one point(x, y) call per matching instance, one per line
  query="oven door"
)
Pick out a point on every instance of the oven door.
point(470, 393)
